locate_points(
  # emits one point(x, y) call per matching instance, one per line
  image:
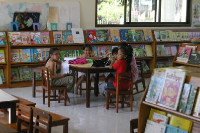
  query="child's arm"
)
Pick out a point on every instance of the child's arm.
point(112, 62)
point(107, 54)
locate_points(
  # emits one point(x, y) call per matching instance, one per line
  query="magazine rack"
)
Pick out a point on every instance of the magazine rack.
point(145, 107)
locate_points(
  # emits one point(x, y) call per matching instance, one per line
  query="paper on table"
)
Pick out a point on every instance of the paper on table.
point(65, 66)
point(53, 14)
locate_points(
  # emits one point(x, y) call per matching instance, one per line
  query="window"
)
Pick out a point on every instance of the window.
point(143, 13)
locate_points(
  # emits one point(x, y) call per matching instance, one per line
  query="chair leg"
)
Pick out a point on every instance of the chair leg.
point(65, 97)
point(58, 96)
point(33, 85)
point(136, 87)
point(43, 95)
point(117, 101)
point(80, 89)
point(131, 102)
point(143, 83)
point(122, 101)
point(107, 99)
point(49, 94)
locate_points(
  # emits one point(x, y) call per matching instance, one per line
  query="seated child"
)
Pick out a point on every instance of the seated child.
point(52, 64)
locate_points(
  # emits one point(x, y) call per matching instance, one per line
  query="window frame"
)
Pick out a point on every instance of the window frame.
point(149, 24)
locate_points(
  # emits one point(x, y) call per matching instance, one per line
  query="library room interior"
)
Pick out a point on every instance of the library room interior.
point(100, 66)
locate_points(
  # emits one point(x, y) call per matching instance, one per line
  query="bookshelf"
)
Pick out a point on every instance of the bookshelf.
point(192, 78)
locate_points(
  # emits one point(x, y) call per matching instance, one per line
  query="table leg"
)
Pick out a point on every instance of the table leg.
point(33, 85)
point(96, 87)
point(87, 89)
point(65, 128)
point(13, 117)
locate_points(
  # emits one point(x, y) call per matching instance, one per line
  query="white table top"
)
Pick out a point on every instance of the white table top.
point(5, 97)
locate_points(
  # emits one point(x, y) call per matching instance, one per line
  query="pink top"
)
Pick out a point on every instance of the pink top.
point(134, 69)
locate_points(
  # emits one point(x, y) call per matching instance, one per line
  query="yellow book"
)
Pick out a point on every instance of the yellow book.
point(181, 123)
point(20, 55)
point(157, 111)
point(148, 50)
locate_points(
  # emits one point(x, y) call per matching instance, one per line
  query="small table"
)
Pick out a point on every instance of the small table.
point(6, 129)
point(86, 68)
point(8, 101)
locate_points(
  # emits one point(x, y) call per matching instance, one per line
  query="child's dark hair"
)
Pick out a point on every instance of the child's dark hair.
point(115, 50)
point(51, 51)
point(87, 46)
point(127, 50)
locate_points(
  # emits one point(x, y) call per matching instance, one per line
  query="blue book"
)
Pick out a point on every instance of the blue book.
point(35, 59)
point(172, 129)
point(123, 35)
point(32, 60)
point(26, 55)
point(94, 50)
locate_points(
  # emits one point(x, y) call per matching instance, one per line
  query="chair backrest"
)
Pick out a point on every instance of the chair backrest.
point(25, 114)
point(140, 68)
point(126, 77)
point(133, 125)
point(43, 122)
point(45, 76)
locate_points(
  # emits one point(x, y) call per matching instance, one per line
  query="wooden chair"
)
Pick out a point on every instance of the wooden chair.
point(46, 87)
point(24, 119)
point(122, 77)
point(140, 78)
point(43, 122)
point(133, 125)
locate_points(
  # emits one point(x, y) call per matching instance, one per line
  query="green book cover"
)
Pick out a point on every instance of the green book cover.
point(14, 75)
point(2, 38)
point(2, 56)
point(25, 74)
point(2, 75)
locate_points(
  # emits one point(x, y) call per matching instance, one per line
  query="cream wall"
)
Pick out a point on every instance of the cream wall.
point(88, 13)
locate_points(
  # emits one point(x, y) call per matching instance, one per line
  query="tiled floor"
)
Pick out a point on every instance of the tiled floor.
point(95, 119)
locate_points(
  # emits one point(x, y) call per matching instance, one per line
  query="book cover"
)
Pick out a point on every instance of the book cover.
point(26, 38)
point(47, 53)
point(14, 55)
point(154, 89)
point(184, 98)
point(131, 35)
point(148, 50)
point(140, 35)
point(14, 75)
point(173, 50)
point(26, 55)
point(43, 54)
point(64, 37)
point(101, 36)
point(139, 50)
point(160, 50)
point(32, 60)
point(78, 36)
point(63, 54)
point(145, 67)
point(157, 35)
point(193, 48)
point(172, 129)
point(91, 36)
point(35, 57)
point(182, 123)
point(57, 37)
point(153, 127)
point(108, 37)
point(25, 74)
point(183, 54)
point(159, 118)
point(169, 35)
point(2, 75)
point(3, 38)
point(163, 35)
point(39, 55)
point(171, 89)
point(15, 38)
point(45, 37)
point(168, 51)
point(20, 55)
point(115, 36)
point(2, 56)
point(196, 112)
point(123, 33)
point(69, 37)
point(147, 34)
point(35, 38)
point(94, 50)
point(194, 59)
point(157, 111)
point(103, 50)
point(38, 75)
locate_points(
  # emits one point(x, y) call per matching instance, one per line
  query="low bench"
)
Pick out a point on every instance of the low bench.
point(24, 102)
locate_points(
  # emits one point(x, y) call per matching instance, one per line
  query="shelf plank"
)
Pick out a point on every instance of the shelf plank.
point(165, 56)
point(3, 46)
point(172, 41)
point(27, 63)
point(187, 64)
point(171, 111)
point(47, 45)
point(3, 64)
point(24, 84)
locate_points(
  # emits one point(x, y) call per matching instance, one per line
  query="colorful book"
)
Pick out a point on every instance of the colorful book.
point(78, 35)
point(172, 87)
point(157, 111)
point(131, 35)
point(172, 129)
point(39, 55)
point(2, 56)
point(103, 50)
point(69, 37)
point(35, 56)
point(3, 38)
point(153, 127)
point(14, 75)
point(38, 75)
point(14, 55)
point(47, 52)
point(159, 118)
point(26, 55)
point(2, 75)
point(43, 54)
point(194, 59)
point(157, 35)
point(123, 35)
point(173, 50)
point(15, 38)
point(20, 55)
point(168, 51)
point(145, 67)
point(57, 37)
point(184, 98)
point(182, 123)
point(196, 112)
point(91, 36)
point(101, 36)
point(161, 50)
point(154, 89)
point(148, 50)
point(147, 35)
point(139, 50)
point(64, 37)
point(115, 35)
point(95, 51)
point(183, 54)
point(35, 38)
point(140, 35)
point(25, 74)
point(26, 38)
point(163, 35)
point(45, 37)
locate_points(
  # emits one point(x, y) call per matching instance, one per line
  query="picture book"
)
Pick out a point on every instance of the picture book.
point(159, 118)
point(140, 35)
point(131, 35)
point(169, 35)
point(157, 111)
point(194, 59)
point(43, 54)
point(3, 38)
point(14, 55)
point(101, 36)
point(145, 67)
point(57, 37)
point(25, 74)
point(157, 35)
point(45, 37)
point(91, 36)
point(103, 50)
point(168, 51)
point(94, 50)
point(35, 38)
point(178, 37)
point(64, 37)
point(78, 36)
point(108, 37)
point(26, 55)
point(26, 38)
point(196, 112)
point(69, 37)
point(15, 38)
point(183, 54)
point(163, 35)
point(182, 123)
point(184, 98)
point(153, 127)
point(47, 53)
point(154, 89)
point(2, 56)
point(172, 87)
point(35, 56)
point(123, 35)
point(139, 52)
point(160, 50)
point(38, 75)
point(32, 60)
point(20, 55)
point(172, 129)
point(147, 35)
point(2, 75)
point(14, 75)
point(173, 50)
point(115, 36)
point(148, 50)
point(39, 55)
point(193, 48)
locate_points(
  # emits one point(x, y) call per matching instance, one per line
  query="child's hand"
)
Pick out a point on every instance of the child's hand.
point(64, 75)
point(107, 54)
point(112, 60)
